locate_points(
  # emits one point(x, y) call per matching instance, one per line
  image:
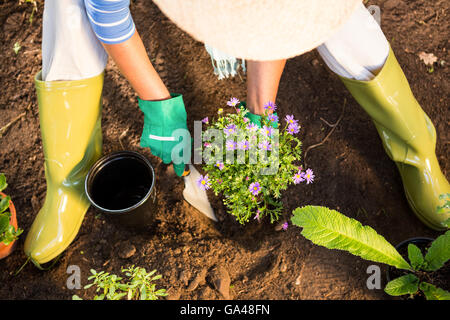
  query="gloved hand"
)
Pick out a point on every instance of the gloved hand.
point(255, 118)
point(161, 118)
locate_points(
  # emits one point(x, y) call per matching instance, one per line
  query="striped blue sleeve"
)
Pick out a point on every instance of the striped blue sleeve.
point(110, 19)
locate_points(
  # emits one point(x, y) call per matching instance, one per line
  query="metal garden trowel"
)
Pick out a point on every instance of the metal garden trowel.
point(196, 196)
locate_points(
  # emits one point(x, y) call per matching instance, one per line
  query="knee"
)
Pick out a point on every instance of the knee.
point(111, 21)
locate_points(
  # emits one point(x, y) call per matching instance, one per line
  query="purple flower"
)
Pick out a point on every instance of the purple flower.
point(270, 106)
point(203, 182)
point(219, 181)
point(247, 178)
point(220, 165)
point(207, 144)
point(230, 145)
point(309, 176)
point(254, 188)
point(205, 120)
point(290, 119)
point(229, 129)
point(233, 102)
point(299, 177)
point(293, 128)
point(285, 226)
point(267, 131)
point(246, 119)
point(243, 145)
point(265, 145)
point(273, 117)
point(252, 127)
point(257, 215)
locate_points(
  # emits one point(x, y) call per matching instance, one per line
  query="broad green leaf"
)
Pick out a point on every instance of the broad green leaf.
point(433, 293)
point(415, 256)
point(75, 297)
point(333, 230)
point(4, 222)
point(439, 253)
point(4, 203)
point(3, 183)
point(407, 284)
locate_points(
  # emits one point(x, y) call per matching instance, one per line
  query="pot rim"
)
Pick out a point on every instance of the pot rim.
point(103, 161)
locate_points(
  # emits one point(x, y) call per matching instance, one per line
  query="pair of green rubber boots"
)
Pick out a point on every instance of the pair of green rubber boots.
point(70, 113)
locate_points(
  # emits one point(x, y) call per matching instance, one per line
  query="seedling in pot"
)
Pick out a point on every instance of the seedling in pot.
point(8, 233)
point(138, 286)
point(333, 230)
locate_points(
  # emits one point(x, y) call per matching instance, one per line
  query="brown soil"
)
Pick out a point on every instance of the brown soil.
point(353, 174)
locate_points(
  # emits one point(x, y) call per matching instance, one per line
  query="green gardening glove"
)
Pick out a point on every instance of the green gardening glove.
point(161, 119)
point(255, 118)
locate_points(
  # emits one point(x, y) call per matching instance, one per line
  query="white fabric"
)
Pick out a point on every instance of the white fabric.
point(70, 49)
point(358, 49)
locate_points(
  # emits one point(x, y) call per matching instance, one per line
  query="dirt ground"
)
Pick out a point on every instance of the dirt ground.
point(353, 174)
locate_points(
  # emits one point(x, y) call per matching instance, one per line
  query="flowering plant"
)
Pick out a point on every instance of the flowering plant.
point(250, 165)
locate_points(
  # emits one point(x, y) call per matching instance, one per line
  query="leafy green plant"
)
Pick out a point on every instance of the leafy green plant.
point(333, 230)
point(445, 209)
point(8, 232)
point(138, 286)
point(251, 165)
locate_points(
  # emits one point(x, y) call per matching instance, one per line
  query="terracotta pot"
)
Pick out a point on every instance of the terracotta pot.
point(7, 250)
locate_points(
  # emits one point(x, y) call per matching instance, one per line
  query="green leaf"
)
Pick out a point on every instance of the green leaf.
point(433, 293)
point(446, 223)
point(4, 222)
point(333, 230)
point(4, 203)
point(75, 297)
point(3, 183)
point(407, 284)
point(415, 256)
point(439, 253)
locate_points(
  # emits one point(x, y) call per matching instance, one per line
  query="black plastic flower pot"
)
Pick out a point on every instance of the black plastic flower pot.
point(122, 185)
point(402, 248)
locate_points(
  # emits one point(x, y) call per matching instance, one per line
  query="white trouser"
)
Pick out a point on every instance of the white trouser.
point(70, 49)
point(358, 49)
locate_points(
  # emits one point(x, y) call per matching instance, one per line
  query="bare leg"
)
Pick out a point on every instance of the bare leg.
point(132, 60)
point(263, 78)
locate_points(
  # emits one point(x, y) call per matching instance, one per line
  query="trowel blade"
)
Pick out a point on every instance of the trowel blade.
point(196, 196)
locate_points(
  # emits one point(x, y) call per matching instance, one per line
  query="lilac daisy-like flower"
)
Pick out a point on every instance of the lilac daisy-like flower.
point(267, 131)
point(254, 188)
point(270, 106)
point(285, 226)
point(243, 145)
point(290, 119)
point(220, 165)
point(293, 128)
point(230, 129)
point(252, 127)
point(273, 118)
point(203, 182)
point(205, 120)
point(265, 145)
point(257, 215)
point(233, 102)
point(309, 176)
point(298, 177)
point(230, 145)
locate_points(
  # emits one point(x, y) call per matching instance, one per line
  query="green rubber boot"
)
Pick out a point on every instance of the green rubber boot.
point(408, 137)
